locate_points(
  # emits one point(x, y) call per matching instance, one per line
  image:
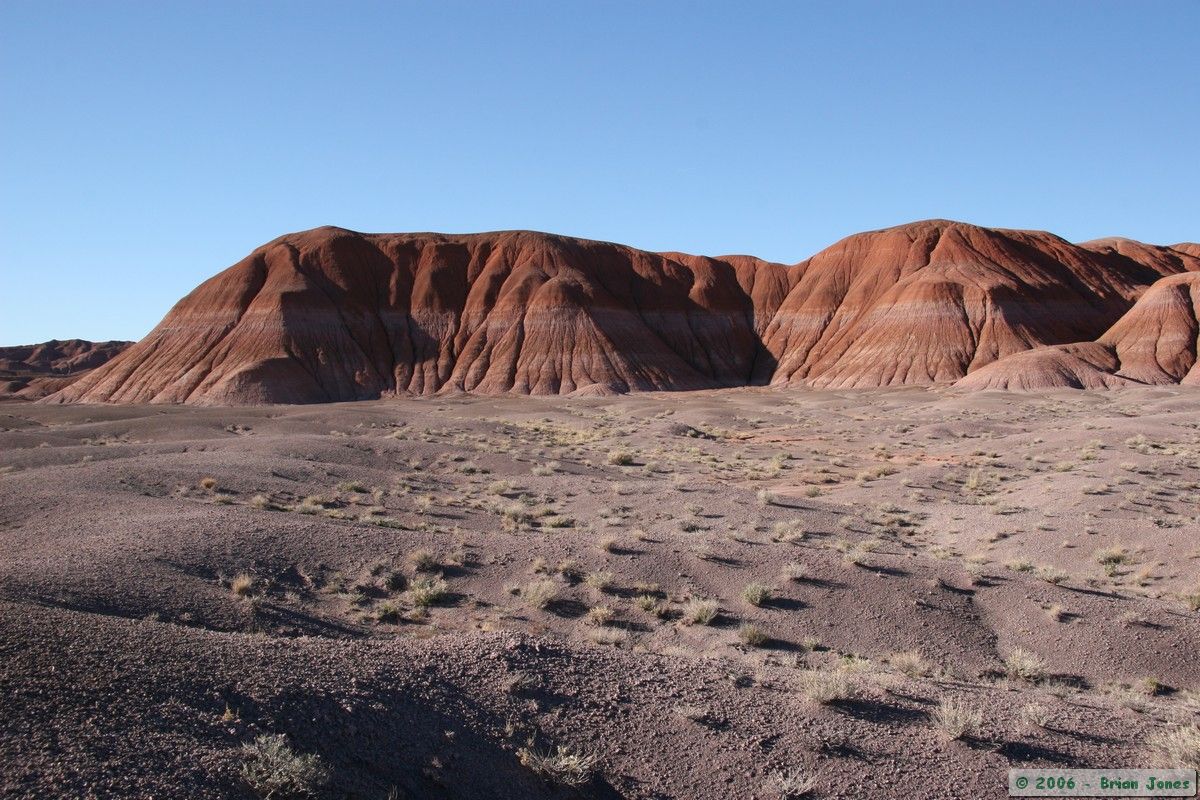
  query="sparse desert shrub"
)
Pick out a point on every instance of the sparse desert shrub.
point(514, 517)
point(1034, 715)
point(855, 556)
point(1192, 599)
point(794, 571)
point(957, 719)
point(756, 594)
point(700, 612)
point(242, 585)
point(620, 458)
point(790, 532)
point(423, 560)
point(1056, 613)
point(609, 544)
point(1111, 556)
point(1177, 747)
point(540, 594)
point(1019, 565)
point(1020, 664)
point(752, 635)
point(561, 766)
point(600, 580)
point(767, 497)
point(600, 615)
point(910, 662)
point(570, 569)
point(825, 687)
point(273, 769)
point(1149, 686)
point(1133, 619)
point(387, 612)
point(208, 484)
point(793, 785)
point(310, 505)
point(260, 501)
point(649, 603)
point(427, 590)
point(613, 637)
point(1051, 574)
point(692, 713)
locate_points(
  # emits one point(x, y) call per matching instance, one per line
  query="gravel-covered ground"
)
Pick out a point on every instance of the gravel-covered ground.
point(705, 595)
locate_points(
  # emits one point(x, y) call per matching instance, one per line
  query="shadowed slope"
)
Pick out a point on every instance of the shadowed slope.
point(1154, 343)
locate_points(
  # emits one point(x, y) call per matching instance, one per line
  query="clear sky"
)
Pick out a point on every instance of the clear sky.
point(144, 146)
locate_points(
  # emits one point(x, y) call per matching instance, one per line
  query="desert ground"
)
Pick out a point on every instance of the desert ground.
point(744, 593)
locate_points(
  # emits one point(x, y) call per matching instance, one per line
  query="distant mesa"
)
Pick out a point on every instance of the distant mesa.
point(36, 370)
point(332, 315)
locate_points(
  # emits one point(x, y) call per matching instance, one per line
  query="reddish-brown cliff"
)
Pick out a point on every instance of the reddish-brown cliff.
point(330, 314)
point(932, 301)
point(1156, 342)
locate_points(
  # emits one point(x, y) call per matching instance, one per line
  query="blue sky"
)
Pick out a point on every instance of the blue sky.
point(146, 146)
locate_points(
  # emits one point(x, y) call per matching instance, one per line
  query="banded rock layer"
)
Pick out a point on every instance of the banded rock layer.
point(36, 370)
point(330, 315)
point(1155, 343)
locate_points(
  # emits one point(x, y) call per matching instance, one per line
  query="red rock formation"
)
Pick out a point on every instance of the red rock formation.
point(1154, 343)
point(329, 314)
point(932, 301)
point(36, 370)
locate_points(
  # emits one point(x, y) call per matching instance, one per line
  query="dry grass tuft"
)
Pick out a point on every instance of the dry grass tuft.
point(956, 719)
point(620, 458)
point(700, 612)
point(1020, 664)
point(600, 615)
point(560, 765)
point(911, 663)
point(426, 591)
point(793, 785)
point(752, 635)
point(423, 561)
point(1177, 747)
point(540, 594)
point(600, 580)
point(756, 594)
point(825, 687)
point(273, 769)
point(242, 585)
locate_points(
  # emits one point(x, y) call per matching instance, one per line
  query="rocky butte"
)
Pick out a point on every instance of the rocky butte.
point(332, 315)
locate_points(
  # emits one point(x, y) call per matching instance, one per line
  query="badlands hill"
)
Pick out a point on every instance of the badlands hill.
point(331, 315)
point(1154, 343)
point(36, 370)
